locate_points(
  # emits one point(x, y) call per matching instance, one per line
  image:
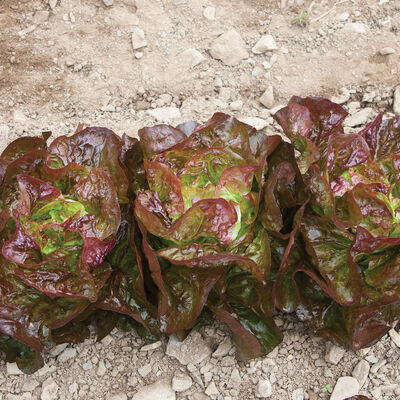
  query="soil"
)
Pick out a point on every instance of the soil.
point(71, 61)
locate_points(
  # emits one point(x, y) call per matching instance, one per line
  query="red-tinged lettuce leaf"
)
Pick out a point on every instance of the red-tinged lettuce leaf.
point(159, 138)
point(92, 147)
point(27, 359)
point(328, 247)
point(354, 327)
point(245, 306)
point(358, 397)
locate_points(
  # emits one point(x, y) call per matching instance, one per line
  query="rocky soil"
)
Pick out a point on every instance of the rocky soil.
point(125, 64)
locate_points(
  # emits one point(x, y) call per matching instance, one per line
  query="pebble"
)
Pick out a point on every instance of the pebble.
point(53, 4)
point(191, 57)
point(49, 389)
point(267, 99)
point(372, 359)
point(396, 100)
point(334, 353)
point(355, 27)
point(138, 55)
point(395, 336)
point(118, 396)
point(236, 105)
point(298, 394)
point(358, 118)
point(224, 347)
point(193, 350)
point(67, 354)
point(212, 390)
point(263, 389)
point(345, 387)
point(73, 388)
point(145, 370)
point(218, 82)
point(151, 346)
point(230, 48)
point(12, 369)
point(180, 383)
point(30, 385)
point(360, 372)
point(342, 97)
point(138, 38)
point(376, 367)
point(86, 366)
point(165, 114)
point(209, 13)
point(108, 3)
point(256, 122)
point(101, 369)
point(387, 51)
point(160, 390)
point(342, 16)
point(265, 43)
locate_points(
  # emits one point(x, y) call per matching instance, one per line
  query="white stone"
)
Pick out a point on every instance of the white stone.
point(67, 354)
point(49, 389)
point(180, 383)
point(101, 368)
point(334, 353)
point(236, 105)
point(345, 387)
point(108, 3)
point(256, 122)
point(342, 97)
point(265, 43)
point(138, 38)
point(57, 350)
point(192, 350)
point(30, 385)
point(342, 16)
point(151, 346)
point(212, 390)
point(209, 13)
point(298, 394)
point(267, 99)
point(12, 369)
point(387, 51)
point(396, 100)
point(395, 337)
point(358, 118)
point(145, 370)
point(86, 366)
point(229, 48)
point(160, 390)
point(361, 371)
point(53, 4)
point(191, 57)
point(223, 348)
point(73, 388)
point(119, 396)
point(355, 27)
point(372, 359)
point(263, 389)
point(218, 82)
point(165, 114)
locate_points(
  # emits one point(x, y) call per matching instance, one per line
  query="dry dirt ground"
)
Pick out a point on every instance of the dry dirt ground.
point(69, 61)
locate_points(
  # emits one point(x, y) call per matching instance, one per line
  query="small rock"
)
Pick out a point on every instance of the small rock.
point(101, 369)
point(108, 3)
point(256, 122)
point(334, 353)
point(235, 379)
point(108, 108)
point(30, 385)
point(229, 48)
point(342, 97)
point(360, 372)
point(165, 114)
point(57, 350)
point(212, 390)
point(218, 82)
point(395, 337)
point(199, 396)
point(236, 105)
point(49, 389)
point(396, 100)
point(372, 359)
point(193, 350)
point(209, 13)
point(386, 51)
point(67, 354)
point(267, 99)
point(358, 118)
point(160, 390)
point(40, 16)
point(138, 38)
point(265, 43)
point(191, 57)
point(263, 389)
point(73, 388)
point(181, 383)
point(342, 16)
point(376, 367)
point(145, 370)
point(53, 4)
point(138, 55)
point(119, 396)
point(298, 394)
point(86, 366)
point(223, 348)
point(345, 387)
point(12, 369)
point(151, 346)
point(355, 27)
